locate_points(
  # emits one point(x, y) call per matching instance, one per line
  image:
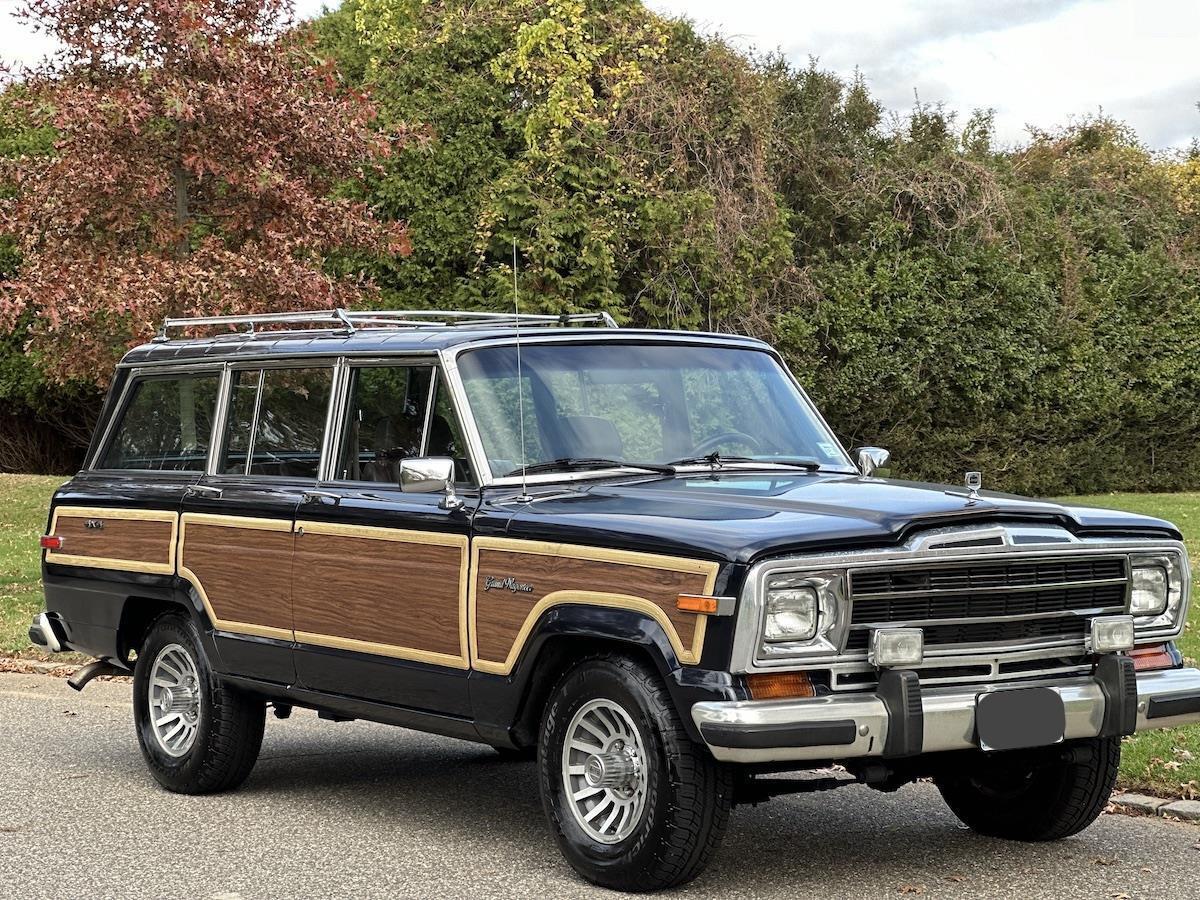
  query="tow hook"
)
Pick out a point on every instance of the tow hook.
point(93, 670)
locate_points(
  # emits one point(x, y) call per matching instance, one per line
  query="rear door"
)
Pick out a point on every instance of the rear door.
point(380, 576)
point(236, 537)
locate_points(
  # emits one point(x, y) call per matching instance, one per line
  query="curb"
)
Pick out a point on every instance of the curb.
point(1143, 805)
point(37, 667)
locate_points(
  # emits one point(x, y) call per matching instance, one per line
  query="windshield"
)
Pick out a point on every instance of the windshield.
point(649, 404)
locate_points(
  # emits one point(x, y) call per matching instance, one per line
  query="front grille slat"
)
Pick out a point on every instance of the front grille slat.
point(988, 603)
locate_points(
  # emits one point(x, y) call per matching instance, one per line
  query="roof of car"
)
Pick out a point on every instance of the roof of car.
point(382, 337)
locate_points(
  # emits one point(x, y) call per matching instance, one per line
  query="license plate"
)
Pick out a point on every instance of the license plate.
point(1022, 717)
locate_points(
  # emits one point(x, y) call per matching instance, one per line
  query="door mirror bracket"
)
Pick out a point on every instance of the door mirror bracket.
point(430, 475)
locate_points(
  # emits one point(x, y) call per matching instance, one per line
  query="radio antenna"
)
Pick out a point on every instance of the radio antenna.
point(524, 497)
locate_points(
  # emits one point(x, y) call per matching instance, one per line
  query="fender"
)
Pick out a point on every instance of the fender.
point(507, 708)
point(97, 608)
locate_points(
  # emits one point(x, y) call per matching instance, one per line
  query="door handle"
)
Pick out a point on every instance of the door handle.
point(202, 490)
point(321, 497)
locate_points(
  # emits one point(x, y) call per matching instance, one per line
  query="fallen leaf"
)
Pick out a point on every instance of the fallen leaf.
point(956, 878)
point(9, 829)
point(1104, 860)
point(912, 889)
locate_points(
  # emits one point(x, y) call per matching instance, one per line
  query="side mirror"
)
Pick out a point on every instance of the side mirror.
point(430, 475)
point(870, 459)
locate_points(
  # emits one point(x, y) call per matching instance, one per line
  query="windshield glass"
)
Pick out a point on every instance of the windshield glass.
point(653, 404)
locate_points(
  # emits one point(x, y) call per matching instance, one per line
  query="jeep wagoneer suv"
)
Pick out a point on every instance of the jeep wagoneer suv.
point(641, 554)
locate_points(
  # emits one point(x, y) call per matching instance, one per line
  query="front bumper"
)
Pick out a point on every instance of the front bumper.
point(906, 720)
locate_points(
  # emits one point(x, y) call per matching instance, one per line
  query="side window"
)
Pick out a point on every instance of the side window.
point(166, 425)
point(277, 422)
point(384, 419)
point(446, 435)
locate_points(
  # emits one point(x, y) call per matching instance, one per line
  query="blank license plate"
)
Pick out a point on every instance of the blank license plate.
point(1024, 717)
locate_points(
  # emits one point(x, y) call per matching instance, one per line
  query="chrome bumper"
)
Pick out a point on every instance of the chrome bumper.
point(844, 726)
point(42, 633)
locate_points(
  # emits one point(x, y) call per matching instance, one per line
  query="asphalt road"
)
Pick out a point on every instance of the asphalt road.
point(356, 809)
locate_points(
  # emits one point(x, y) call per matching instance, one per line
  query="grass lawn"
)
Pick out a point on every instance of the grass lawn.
point(1159, 762)
point(24, 500)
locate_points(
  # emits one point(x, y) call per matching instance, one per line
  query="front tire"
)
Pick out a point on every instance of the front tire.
point(197, 735)
point(1042, 795)
point(633, 802)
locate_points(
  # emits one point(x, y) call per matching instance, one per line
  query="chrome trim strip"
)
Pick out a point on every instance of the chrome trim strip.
point(948, 713)
point(969, 620)
point(217, 438)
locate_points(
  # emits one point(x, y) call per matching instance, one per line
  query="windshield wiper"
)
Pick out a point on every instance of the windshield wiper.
point(716, 460)
point(571, 462)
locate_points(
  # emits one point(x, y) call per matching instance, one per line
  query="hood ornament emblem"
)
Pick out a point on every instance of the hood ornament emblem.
point(973, 481)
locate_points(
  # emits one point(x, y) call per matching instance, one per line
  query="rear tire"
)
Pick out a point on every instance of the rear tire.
point(665, 802)
point(1042, 795)
point(198, 736)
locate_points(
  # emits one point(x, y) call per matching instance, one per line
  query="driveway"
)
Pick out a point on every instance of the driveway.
point(356, 809)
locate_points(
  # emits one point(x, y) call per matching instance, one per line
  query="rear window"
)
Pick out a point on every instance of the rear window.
point(166, 425)
point(277, 422)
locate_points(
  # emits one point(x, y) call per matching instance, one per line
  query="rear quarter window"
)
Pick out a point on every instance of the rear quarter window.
point(165, 425)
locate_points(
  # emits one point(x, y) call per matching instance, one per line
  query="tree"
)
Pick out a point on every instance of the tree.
point(200, 149)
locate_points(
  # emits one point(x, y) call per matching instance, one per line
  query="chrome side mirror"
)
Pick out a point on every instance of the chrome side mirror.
point(430, 475)
point(870, 459)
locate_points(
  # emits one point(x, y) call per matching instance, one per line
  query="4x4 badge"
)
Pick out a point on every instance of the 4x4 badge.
point(509, 583)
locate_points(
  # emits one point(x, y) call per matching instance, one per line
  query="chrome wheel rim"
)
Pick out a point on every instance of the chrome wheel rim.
point(604, 771)
point(174, 699)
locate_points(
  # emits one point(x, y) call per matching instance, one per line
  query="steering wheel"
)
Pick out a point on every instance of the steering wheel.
point(712, 443)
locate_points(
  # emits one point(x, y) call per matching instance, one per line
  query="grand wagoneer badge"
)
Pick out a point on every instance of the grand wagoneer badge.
point(508, 584)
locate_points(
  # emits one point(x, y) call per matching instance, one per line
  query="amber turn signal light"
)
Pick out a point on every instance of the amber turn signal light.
point(51, 542)
point(781, 685)
point(1156, 656)
point(696, 603)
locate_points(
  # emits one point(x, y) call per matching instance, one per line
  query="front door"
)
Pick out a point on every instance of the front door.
point(236, 535)
point(379, 575)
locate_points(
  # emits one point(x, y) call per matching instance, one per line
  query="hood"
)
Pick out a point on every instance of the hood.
point(740, 516)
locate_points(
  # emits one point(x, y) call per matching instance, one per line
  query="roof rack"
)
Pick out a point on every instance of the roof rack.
point(345, 321)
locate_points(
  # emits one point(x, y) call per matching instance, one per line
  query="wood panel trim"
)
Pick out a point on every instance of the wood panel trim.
point(123, 565)
point(687, 655)
point(405, 536)
point(239, 522)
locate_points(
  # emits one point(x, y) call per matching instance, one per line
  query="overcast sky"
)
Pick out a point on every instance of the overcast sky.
point(1036, 62)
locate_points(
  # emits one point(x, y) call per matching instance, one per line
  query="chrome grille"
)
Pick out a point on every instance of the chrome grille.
point(988, 604)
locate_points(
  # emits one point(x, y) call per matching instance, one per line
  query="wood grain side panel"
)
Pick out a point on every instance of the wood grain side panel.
point(124, 539)
point(400, 594)
point(244, 574)
point(500, 613)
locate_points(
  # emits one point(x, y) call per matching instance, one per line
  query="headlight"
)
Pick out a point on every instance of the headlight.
point(792, 614)
point(802, 614)
point(1149, 587)
point(1157, 592)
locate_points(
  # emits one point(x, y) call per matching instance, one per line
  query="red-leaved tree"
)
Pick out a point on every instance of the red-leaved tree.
point(200, 149)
